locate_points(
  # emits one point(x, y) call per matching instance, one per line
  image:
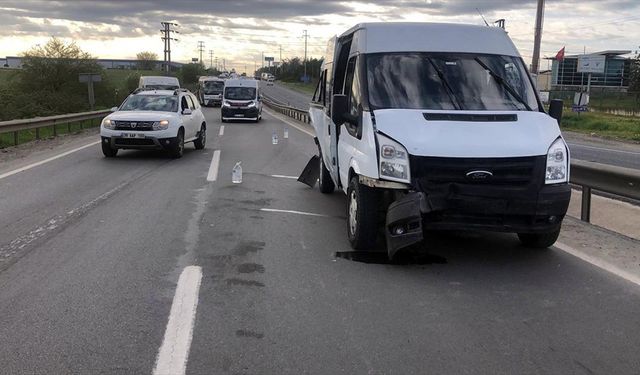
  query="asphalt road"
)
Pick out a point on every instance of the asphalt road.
point(92, 250)
point(601, 151)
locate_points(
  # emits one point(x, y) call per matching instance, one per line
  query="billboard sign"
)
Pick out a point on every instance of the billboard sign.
point(591, 63)
point(268, 58)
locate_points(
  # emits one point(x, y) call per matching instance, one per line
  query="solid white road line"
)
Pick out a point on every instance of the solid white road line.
point(604, 149)
point(221, 132)
point(293, 212)
point(283, 119)
point(600, 263)
point(174, 352)
point(283, 176)
point(213, 168)
point(27, 167)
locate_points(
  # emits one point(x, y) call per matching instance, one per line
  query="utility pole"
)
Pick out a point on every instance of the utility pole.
point(167, 38)
point(538, 37)
point(211, 58)
point(305, 35)
point(217, 66)
point(201, 49)
point(280, 61)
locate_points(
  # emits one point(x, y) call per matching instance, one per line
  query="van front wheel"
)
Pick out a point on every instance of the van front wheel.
point(362, 215)
point(325, 183)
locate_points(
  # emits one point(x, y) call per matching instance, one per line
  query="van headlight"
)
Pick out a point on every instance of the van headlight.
point(557, 169)
point(108, 124)
point(251, 104)
point(394, 160)
point(225, 103)
point(161, 125)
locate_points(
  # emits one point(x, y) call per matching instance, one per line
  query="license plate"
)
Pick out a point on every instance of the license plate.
point(132, 135)
point(238, 115)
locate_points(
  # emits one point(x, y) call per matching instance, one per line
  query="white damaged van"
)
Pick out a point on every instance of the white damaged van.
point(436, 127)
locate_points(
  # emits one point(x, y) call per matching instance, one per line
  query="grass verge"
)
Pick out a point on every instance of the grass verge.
point(24, 136)
point(305, 88)
point(602, 124)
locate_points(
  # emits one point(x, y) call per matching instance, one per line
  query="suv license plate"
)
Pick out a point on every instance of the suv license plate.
point(132, 135)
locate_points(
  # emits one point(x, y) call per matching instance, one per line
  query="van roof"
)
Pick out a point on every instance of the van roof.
point(376, 37)
point(241, 83)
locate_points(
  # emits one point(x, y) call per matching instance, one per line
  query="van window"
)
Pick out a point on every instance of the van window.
point(448, 81)
point(240, 93)
point(352, 87)
point(320, 94)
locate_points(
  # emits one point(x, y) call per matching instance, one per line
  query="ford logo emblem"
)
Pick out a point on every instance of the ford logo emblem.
point(479, 175)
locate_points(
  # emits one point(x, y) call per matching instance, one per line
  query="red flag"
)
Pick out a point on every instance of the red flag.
point(560, 55)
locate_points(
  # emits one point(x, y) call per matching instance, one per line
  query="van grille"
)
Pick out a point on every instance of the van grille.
point(519, 171)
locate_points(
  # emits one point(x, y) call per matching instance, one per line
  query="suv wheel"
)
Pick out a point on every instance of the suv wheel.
point(178, 147)
point(109, 151)
point(539, 240)
point(362, 215)
point(201, 141)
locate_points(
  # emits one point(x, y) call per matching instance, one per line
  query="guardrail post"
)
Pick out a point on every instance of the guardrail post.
point(15, 138)
point(55, 131)
point(585, 211)
point(37, 133)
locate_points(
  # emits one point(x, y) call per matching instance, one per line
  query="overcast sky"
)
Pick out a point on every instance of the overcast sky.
point(240, 31)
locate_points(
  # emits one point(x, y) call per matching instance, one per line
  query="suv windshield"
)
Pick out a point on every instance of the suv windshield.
point(151, 103)
point(161, 87)
point(213, 87)
point(448, 81)
point(240, 93)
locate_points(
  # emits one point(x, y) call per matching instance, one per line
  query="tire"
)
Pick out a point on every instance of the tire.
point(325, 183)
point(178, 149)
point(362, 215)
point(109, 151)
point(201, 141)
point(222, 120)
point(539, 240)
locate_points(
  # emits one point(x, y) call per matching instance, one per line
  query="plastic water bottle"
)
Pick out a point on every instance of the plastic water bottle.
point(274, 138)
point(286, 133)
point(236, 175)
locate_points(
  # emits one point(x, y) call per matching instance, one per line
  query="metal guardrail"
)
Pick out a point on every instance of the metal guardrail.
point(624, 182)
point(295, 113)
point(40, 122)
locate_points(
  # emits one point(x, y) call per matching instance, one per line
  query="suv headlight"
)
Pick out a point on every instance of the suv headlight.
point(394, 160)
point(557, 169)
point(161, 125)
point(108, 124)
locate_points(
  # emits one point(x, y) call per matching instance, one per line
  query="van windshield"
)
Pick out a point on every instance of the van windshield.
point(150, 103)
point(160, 87)
point(213, 87)
point(240, 93)
point(449, 81)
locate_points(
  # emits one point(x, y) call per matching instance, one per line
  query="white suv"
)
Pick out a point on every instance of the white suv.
point(155, 120)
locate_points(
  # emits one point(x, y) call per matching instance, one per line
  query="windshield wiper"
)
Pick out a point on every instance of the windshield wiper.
point(504, 84)
point(445, 83)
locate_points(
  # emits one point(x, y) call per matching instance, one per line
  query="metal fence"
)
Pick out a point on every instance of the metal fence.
point(295, 113)
point(15, 126)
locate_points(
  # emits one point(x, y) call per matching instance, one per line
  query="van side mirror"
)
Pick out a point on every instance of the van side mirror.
point(555, 109)
point(186, 111)
point(339, 109)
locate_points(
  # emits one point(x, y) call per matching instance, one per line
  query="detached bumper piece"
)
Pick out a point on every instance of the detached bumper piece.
point(403, 225)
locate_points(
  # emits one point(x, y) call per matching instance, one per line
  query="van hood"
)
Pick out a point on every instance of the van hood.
point(457, 134)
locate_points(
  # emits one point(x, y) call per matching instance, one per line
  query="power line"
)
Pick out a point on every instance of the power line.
point(201, 49)
point(167, 38)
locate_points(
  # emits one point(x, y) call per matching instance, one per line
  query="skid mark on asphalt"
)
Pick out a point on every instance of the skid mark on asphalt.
point(250, 268)
point(248, 247)
point(243, 282)
point(247, 333)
